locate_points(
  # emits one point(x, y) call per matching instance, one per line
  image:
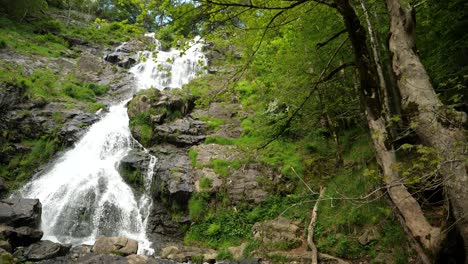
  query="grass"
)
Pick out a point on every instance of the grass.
point(213, 122)
point(22, 165)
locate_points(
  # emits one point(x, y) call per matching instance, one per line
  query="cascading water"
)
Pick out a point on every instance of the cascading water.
point(83, 195)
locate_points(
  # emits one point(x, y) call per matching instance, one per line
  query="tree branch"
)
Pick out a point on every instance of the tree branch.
point(321, 44)
point(311, 92)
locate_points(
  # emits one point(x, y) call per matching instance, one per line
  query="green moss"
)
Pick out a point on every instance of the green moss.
point(224, 254)
point(132, 176)
point(219, 140)
point(146, 134)
point(197, 206)
point(212, 122)
point(206, 183)
point(193, 154)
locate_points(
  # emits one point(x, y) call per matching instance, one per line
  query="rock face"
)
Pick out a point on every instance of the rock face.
point(125, 55)
point(21, 236)
point(183, 253)
point(281, 230)
point(18, 212)
point(45, 249)
point(115, 245)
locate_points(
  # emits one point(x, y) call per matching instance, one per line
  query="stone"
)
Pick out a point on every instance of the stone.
point(368, 236)
point(115, 245)
point(280, 230)
point(137, 259)
point(125, 55)
point(45, 249)
point(238, 252)
point(5, 245)
point(214, 178)
point(3, 187)
point(24, 236)
point(18, 212)
point(182, 253)
point(79, 251)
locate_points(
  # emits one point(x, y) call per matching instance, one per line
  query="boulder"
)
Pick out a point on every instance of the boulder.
point(238, 252)
point(24, 236)
point(181, 132)
point(45, 249)
point(125, 55)
point(164, 112)
point(133, 167)
point(182, 253)
point(19, 212)
point(280, 230)
point(115, 245)
point(5, 245)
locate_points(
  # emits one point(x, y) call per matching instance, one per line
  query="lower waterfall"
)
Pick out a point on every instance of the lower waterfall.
point(82, 194)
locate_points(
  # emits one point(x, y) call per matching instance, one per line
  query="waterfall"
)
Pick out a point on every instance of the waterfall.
point(82, 194)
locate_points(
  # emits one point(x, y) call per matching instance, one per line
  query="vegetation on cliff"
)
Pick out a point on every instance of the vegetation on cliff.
point(320, 103)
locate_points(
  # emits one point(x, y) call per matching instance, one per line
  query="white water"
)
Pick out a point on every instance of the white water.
point(83, 196)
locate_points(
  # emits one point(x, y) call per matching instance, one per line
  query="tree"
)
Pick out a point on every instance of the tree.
point(427, 115)
point(20, 9)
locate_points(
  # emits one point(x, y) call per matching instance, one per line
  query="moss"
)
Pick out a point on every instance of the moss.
point(219, 140)
point(133, 176)
point(193, 154)
point(206, 183)
point(212, 122)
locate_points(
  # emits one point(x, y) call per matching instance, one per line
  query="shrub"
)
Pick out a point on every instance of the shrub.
point(197, 206)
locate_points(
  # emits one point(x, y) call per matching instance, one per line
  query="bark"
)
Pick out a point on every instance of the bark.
point(310, 234)
point(437, 126)
point(429, 237)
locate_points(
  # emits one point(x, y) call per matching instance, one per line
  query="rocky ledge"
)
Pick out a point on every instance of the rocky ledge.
point(20, 241)
point(167, 123)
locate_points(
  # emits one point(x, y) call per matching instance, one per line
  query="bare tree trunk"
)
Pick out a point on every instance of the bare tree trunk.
point(436, 124)
point(310, 234)
point(429, 237)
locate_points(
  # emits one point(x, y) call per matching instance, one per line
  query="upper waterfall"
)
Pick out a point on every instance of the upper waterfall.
point(83, 194)
point(173, 68)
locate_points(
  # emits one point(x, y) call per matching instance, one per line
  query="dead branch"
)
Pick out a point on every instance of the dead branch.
point(310, 234)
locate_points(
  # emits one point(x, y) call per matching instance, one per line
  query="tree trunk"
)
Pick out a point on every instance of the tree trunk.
point(415, 221)
point(436, 125)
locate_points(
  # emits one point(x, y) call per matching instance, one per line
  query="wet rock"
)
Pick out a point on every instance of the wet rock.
point(18, 212)
point(73, 129)
point(125, 55)
point(280, 230)
point(173, 174)
point(45, 249)
point(115, 245)
point(133, 167)
point(183, 253)
point(24, 236)
point(161, 222)
point(79, 251)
